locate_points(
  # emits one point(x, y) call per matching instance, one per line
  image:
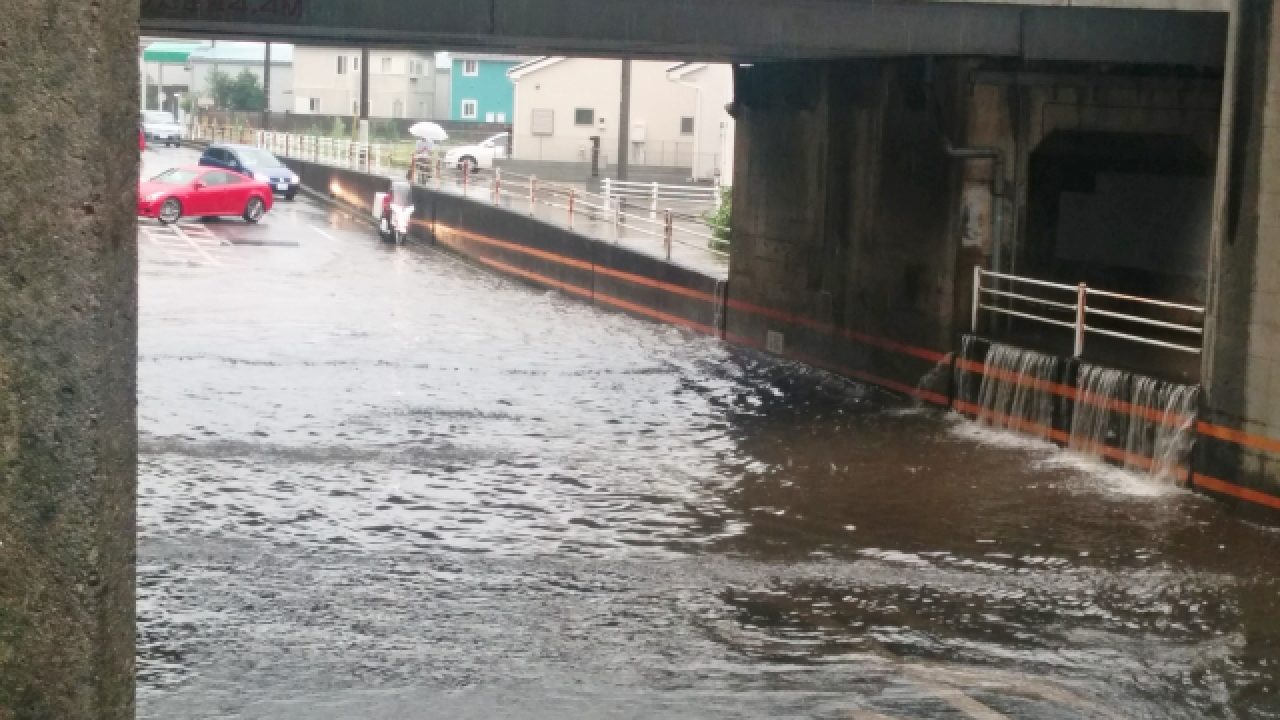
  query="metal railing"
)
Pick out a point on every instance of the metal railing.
point(339, 152)
point(654, 193)
point(609, 216)
point(1068, 306)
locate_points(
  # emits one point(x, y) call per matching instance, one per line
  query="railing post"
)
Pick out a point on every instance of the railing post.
point(653, 203)
point(466, 177)
point(439, 173)
point(1082, 294)
point(977, 298)
point(533, 194)
point(497, 186)
point(571, 198)
point(608, 194)
point(667, 231)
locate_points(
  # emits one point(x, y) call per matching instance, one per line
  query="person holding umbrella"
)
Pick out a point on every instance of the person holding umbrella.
point(428, 135)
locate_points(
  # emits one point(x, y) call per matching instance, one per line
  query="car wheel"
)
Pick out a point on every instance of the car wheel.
point(254, 210)
point(170, 211)
point(291, 195)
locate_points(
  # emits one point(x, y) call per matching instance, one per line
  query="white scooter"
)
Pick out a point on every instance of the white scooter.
point(394, 212)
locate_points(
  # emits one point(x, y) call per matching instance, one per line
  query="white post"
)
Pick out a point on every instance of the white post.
point(497, 186)
point(608, 194)
point(533, 194)
point(653, 204)
point(977, 298)
point(571, 196)
point(1081, 299)
point(667, 231)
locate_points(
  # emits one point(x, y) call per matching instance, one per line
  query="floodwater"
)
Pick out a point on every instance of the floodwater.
point(380, 483)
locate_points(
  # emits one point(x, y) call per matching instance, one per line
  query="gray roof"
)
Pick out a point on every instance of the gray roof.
point(244, 52)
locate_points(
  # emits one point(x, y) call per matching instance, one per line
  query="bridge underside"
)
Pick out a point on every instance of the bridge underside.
point(736, 30)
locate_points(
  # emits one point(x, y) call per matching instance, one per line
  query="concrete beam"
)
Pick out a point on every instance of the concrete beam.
point(738, 30)
point(68, 134)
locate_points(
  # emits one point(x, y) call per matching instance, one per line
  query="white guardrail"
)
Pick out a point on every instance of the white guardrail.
point(604, 210)
point(1069, 307)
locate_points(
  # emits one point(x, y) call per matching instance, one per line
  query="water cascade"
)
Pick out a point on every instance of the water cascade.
point(1143, 423)
point(1016, 390)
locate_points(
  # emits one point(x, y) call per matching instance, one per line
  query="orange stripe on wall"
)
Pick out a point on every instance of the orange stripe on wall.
point(1219, 432)
point(1213, 484)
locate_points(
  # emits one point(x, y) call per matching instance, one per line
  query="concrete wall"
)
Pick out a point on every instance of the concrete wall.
point(844, 204)
point(1242, 364)
point(546, 255)
point(68, 354)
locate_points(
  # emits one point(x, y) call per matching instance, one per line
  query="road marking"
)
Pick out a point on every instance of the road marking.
point(323, 233)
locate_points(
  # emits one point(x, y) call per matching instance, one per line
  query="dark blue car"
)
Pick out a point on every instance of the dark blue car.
point(254, 162)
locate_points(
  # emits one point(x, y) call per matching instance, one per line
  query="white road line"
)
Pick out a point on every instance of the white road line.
point(323, 233)
point(209, 258)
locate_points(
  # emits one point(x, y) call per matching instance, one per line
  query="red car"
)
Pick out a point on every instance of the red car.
point(142, 139)
point(204, 192)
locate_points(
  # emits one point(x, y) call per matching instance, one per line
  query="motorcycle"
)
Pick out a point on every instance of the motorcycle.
point(394, 212)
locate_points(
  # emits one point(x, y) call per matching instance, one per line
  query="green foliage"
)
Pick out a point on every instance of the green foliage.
point(719, 219)
point(243, 92)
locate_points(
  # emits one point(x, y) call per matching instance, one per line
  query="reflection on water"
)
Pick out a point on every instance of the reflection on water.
point(381, 484)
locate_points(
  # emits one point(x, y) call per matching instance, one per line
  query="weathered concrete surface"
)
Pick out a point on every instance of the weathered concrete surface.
point(68, 133)
point(1242, 369)
point(852, 230)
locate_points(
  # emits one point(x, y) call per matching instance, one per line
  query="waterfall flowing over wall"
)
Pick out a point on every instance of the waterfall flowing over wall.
point(1143, 423)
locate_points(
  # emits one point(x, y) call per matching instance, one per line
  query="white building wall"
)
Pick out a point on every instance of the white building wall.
point(657, 107)
point(563, 87)
point(393, 90)
point(714, 127)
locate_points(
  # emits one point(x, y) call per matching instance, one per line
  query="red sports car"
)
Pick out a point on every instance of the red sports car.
point(202, 191)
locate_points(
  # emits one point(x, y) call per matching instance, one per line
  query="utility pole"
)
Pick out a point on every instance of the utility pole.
point(624, 122)
point(266, 87)
point(364, 95)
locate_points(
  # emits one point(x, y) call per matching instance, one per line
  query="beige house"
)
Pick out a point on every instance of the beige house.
point(326, 81)
point(561, 103)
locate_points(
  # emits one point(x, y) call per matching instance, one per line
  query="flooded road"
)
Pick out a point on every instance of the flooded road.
point(380, 483)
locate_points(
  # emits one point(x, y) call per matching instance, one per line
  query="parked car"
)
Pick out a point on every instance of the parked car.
point(479, 156)
point(256, 163)
point(202, 191)
point(142, 139)
point(162, 127)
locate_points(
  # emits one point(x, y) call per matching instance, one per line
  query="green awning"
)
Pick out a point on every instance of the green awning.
point(173, 53)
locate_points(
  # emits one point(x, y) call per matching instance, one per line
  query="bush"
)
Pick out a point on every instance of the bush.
point(719, 219)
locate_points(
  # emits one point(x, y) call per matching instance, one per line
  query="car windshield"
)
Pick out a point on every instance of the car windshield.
point(176, 177)
point(253, 157)
point(158, 117)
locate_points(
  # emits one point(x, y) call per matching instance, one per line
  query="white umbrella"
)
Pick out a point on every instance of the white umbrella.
point(428, 131)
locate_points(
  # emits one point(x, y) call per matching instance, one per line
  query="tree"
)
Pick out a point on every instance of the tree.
point(243, 92)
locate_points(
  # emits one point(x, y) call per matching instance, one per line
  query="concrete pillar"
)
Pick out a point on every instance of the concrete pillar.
point(68, 260)
point(1242, 365)
point(849, 232)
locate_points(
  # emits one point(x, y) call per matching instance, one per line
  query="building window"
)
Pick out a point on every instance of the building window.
point(471, 68)
point(386, 66)
point(686, 126)
point(469, 110)
point(342, 64)
point(355, 63)
point(584, 116)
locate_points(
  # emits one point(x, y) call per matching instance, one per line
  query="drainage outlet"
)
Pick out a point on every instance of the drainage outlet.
point(773, 342)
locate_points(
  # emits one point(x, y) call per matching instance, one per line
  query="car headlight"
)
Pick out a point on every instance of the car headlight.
point(262, 177)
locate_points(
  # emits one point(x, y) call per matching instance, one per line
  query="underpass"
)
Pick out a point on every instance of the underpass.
point(381, 482)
